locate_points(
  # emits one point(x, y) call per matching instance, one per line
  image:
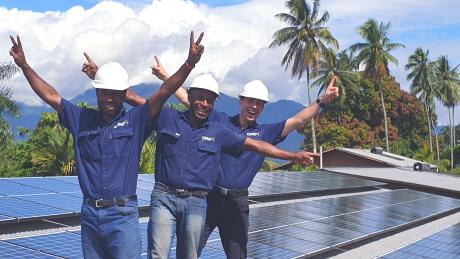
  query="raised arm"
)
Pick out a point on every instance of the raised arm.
point(267, 149)
point(160, 72)
point(307, 113)
point(175, 81)
point(44, 90)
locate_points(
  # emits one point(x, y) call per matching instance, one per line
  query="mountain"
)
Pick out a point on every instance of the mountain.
point(273, 111)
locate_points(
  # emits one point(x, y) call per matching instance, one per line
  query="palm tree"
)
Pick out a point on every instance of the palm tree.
point(447, 84)
point(308, 40)
point(374, 53)
point(342, 66)
point(7, 105)
point(418, 64)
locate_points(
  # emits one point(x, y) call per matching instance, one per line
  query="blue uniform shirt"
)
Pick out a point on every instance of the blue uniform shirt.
point(107, 154)
point(188, 158)
point(238, 172)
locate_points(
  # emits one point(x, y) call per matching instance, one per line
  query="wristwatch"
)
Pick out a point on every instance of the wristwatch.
point(321, 105)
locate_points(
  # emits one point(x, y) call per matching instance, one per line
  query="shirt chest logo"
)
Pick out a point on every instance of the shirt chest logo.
point(207, 139)
point(121, 124)
point(253, 134)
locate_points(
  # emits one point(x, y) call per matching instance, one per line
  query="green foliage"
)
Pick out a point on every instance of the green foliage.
point(8, 107)
point(147, 161)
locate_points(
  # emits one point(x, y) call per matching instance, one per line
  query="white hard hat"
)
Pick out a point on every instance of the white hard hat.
point(255, 89)
point(207, 82)
point(111, 76)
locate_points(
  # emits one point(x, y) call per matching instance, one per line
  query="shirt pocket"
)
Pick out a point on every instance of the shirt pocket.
point(88, 143)
point(168, 140)
point(121, 142)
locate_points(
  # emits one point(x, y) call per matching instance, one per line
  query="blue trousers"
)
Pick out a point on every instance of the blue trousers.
point(229, 213)
point(171, 215)
point(111, 232)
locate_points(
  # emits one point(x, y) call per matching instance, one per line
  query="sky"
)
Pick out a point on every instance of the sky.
point(237, 35)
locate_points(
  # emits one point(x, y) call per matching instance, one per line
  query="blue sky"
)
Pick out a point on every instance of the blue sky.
point(63, 5)
point(237, 35)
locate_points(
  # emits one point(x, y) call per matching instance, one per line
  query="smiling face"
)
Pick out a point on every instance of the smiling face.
point(250, 109)
point(201, 103)
point(110, 102)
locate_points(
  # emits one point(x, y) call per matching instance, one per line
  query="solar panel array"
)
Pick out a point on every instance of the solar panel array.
point(33, 198)
point(282, 183)
point(443, 244)
point(291, 230)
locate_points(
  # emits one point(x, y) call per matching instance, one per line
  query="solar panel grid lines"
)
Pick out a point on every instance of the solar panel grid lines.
point(261, 250)
point(8, 188)
point(48, 184)
point(442, 244)
point(150, 178)
point(16, 208)
point(58, 201)
point(63, 244)
point(12, 251)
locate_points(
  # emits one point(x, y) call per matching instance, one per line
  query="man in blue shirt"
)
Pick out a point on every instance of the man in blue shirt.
point(107, 146)
point(189, 150)
point(228, 206)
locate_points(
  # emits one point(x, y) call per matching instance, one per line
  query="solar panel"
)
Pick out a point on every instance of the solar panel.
point(64, 244)
point(46, 183)
point(269, 184)
point(12, 251)
point(8, 188)
point(20, 209)
point(442, 244)
point(150, 178)
point(64, 202)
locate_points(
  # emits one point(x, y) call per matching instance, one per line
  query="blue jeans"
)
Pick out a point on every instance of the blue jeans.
point(111, 232)
point(171, 215)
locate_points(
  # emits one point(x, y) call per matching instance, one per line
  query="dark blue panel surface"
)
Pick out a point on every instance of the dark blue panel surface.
point(59, 201)
point(46, 183)
point(12, 251)
point(8, 188)
point(22, 209)
point(63, 244)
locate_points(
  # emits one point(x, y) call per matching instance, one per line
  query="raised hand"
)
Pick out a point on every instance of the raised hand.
point(17, 52)
point(332, 91)
point(89, 68)
point(158, 70)
point(305, 158)
point(196, 50)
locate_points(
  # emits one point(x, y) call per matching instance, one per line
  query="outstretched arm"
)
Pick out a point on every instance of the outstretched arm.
point(171, 85)
point(267, 149)
point(307, 113)
point(160, 72)
point(44, 90)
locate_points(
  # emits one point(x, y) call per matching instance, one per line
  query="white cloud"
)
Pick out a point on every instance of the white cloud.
point(236, 39)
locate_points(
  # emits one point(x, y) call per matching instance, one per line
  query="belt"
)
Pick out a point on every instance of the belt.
point(232, 192)
point(180, 192)
point(104, 203)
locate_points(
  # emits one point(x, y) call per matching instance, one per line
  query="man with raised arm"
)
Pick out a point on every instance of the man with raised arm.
point(228, 206)
point(189, 150)
point(107, 146)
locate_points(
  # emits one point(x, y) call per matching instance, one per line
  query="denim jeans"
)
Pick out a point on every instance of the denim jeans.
point(111, 232)
point(171, 215)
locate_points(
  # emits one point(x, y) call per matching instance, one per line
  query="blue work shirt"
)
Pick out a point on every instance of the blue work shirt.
point(107, 154)
point(238, 172)
point(187, 157)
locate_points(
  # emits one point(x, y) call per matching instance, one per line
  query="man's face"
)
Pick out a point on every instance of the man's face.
point(250, 108)
point(201, 102)
point(110, 101)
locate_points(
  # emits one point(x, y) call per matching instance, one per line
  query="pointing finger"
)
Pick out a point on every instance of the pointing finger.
point(88, 57)
point(19, 42)
point(13, 41)
point(157, 60)
point(192, 38)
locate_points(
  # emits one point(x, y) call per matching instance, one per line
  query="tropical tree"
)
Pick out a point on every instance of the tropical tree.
point(340, 65)
point(308, 39)
point(419, 66)
point(8, 106)
point(446, 81)
point(375, 55)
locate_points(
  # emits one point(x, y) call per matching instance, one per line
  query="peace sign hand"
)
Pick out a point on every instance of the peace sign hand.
point(17, 52)
point(196, 50)
point(89, 68)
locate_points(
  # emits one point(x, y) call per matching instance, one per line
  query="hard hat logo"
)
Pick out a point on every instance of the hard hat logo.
point(111, 76)
point(255, 89)
point(207, 82)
